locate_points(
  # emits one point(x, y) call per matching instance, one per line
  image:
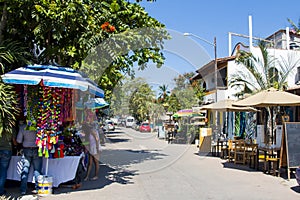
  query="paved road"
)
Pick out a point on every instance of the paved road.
point(139, 166)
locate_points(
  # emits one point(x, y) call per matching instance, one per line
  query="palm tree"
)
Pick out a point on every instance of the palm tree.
point(294, 26)
point(10, 52)
point(163, 92)
point(262, 73)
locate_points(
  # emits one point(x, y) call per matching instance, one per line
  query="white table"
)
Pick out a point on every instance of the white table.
point(61, 169)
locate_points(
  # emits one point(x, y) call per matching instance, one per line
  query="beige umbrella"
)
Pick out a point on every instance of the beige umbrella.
point(270, 97)
point(227, 106)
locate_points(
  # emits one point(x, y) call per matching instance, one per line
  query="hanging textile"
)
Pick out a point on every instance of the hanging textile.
point(250, 127)
point(242, 124)
point(230, 125)
point(237, 124)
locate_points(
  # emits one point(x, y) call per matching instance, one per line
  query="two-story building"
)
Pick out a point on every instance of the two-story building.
point(283, 46)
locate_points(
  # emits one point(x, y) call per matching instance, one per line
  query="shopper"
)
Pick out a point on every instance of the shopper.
point(6, 142)
point(93, 148)
point(30, 150)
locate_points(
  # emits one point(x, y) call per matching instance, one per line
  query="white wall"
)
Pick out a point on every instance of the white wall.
point(284, 58)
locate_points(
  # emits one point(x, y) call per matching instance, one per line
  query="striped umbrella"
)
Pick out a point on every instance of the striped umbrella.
point(52, 76)
point(184, 112)
point(93, 103)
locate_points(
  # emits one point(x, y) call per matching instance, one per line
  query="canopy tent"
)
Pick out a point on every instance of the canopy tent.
point(52, 76)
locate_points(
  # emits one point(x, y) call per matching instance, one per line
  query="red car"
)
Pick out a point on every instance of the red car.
point(145, 127)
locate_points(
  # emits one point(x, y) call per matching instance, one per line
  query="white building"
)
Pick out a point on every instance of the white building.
point(286, 54)
point(283, 45)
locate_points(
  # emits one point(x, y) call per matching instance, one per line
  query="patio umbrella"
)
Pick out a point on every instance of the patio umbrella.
point(270, 97)
point(184, 113)
point(93, 103)
point(226, 106)
point(52, 76)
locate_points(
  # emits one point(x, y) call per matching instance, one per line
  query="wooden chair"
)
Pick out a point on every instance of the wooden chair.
point(273, 166)
point(224, 150)
point(230, 150)
point(252, 156)
point(240, 152)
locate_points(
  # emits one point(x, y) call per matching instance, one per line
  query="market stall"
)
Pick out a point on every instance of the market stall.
point(62, 170)
point(48, 96)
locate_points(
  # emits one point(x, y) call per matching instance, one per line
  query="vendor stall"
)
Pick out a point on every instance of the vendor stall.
point(48, 96)
point(62, 170)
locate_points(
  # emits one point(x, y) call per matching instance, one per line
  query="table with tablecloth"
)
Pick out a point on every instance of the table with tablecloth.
point(61, 169)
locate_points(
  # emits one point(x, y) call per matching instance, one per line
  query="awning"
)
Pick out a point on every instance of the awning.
point(52, 76)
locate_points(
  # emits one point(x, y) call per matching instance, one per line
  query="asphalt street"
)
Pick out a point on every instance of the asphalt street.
point(138, 166)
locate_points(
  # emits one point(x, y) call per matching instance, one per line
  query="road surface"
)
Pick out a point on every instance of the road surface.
point(138, 166)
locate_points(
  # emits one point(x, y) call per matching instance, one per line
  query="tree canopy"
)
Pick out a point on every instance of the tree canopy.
point(116, 32)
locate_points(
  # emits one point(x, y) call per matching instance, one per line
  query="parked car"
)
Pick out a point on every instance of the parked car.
point(145, 127)
point(109, 125)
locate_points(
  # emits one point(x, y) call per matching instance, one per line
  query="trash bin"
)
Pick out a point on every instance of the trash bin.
point(44, 185)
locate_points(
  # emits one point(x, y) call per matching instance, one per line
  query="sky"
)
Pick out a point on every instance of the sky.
point(209, 19)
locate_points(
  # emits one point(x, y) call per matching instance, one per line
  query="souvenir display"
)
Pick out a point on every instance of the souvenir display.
point(47, 111)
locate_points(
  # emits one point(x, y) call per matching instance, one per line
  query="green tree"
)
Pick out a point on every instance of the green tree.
point(295, 27)
point(163, 94)
point(189, 93)
point(9, 53)
point(140, 102)
point(67, 32)
point(173, 103)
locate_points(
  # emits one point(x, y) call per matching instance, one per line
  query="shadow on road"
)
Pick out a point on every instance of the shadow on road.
point(296, 189)
point(114, 165)
point(107, 176)
point(231, 165)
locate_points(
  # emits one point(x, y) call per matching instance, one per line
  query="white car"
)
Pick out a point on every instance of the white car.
point(109, 125)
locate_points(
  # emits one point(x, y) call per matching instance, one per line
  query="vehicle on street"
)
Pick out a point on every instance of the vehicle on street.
point(129, 122)
point(145, 127)
point(109, 125)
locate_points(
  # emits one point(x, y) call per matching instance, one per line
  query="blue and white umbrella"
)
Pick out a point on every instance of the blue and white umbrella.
point(93, 103)
point(52, 76)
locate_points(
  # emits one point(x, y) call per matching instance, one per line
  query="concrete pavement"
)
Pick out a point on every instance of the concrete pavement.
point(140, 166)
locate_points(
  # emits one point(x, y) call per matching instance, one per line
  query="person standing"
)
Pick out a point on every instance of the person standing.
point(6, 142)
point(94, 149)
point(30, 150)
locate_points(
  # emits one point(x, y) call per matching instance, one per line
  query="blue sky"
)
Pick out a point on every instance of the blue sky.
point(218, 17)
point(215, 18)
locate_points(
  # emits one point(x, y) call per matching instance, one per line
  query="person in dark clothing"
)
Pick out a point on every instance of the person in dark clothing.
point(6, 142)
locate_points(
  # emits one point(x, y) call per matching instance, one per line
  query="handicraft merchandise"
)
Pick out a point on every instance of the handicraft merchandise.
point(46, 110)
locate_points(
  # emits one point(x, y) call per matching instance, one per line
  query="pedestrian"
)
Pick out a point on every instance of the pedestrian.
point(93, 148)
point(7, 140)
point(176, 127)
point(30, 151)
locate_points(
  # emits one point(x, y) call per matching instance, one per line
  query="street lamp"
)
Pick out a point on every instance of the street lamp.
point(214, 44)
